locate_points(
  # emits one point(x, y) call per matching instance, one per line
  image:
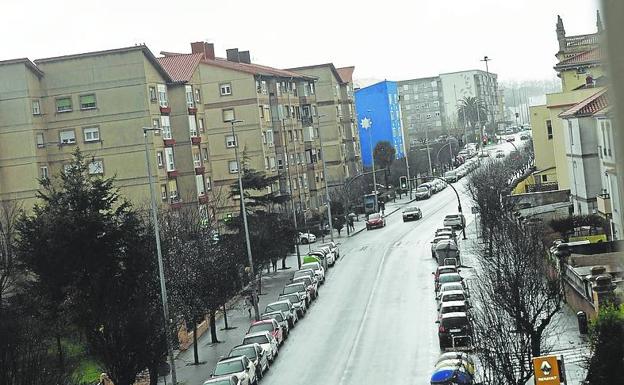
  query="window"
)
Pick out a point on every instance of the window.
point(163, 192)
point(67, 137)
point(165, 125)
point(197, 95)
point(230, 141)
point(159, 159)
point(544, 178)
point(266, 162)
point(294, 183)
point(272, 163)
point(406, 97)
point(87, 102)
point(63, 105)
point(36, 107)
point(225, 89)
point(162, 95)
point(269, 138)
point(192, 125)
point(199, 182)
point(437, 114)
point(152, 94)
point(261, 108)
point(228, 115)
point(190, 101)
point(43, 172)
point(233, 166)
point(91, 134)
point(169, 159)
point(205, 154)
point(196, 159)
point(96, 167)
point(267, 114)
point(156, 123)
point(208, 183)
point(294, 135)
point(40, 140)
point(549, 130)
point(280, 162)
point(202, 129)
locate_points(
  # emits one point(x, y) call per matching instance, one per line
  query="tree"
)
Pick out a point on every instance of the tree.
point(92, 262)
point(384, 155)
point(471, 112)
point(607, 344)
point(10, 265)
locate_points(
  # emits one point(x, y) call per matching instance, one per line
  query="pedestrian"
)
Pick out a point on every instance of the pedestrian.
point(274, 263)
point(382, 207)
point(350, 224)
point(249, 303)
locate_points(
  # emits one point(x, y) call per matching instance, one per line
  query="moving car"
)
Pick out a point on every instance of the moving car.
point(287, 308)
point(306, 238)
point(500, 154)
point(454, 331)
point(375, 220)
point(454, 220)
point(525, 137)
point(411, 213)
point(270, 326)
point(264, 339)
point(300, 304)
point(241, 367)
point(317, 268)
point(484, 154)
point(256, 354)
point(422, 192)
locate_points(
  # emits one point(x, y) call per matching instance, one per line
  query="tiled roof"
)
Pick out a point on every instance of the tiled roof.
point(589, 106)
point(329, 65)
point(346, 74)
point(254, 69)
point(180, 67)
point(590, 56)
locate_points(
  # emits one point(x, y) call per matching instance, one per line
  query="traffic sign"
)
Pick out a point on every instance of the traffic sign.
point(546, 370)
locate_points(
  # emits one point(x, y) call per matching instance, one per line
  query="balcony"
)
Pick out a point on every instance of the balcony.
point(196, 139)
point(175, 201)
point(165, 110)
point(172, 174)
point(199, 170)
point(192, 110)
point(169, 142)
point(306, 120)
point(603, 202)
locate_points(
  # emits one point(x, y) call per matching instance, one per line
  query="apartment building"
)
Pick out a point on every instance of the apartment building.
point(336, 122)
point(422, 108)
point(99, 102)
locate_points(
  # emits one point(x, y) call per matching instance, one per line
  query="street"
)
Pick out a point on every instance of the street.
point(374, 321)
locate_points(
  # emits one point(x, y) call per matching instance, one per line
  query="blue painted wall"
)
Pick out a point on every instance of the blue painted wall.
point(379, 103)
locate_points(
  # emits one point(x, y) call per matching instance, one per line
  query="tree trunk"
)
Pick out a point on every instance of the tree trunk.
point(213, 327)
point(195, 352)
point(153, 374)
point(61, 359)
point(225, 320)
point(536, 344)
point(284, 263)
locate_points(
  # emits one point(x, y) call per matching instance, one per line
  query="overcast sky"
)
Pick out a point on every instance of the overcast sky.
point(392, 39)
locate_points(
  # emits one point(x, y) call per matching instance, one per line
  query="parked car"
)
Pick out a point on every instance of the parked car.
point(375, 220)
point(224, 380)
point(500, 154)
point(306, 238)
point(446, 278)
point(319, 255)
point(453, 307)
point(411, 213)
point(333, 247)
point(444, 229)
point(286, 307)
point(452, 286)
point(306, 273)
point(484, 154)
point(435, 241)
point(447, 252)
point(300, 304)
point(452, 295)
point(454, 220)
point(422, 192)
point(317, 268)
point(329, 255)
point(256, 354)
point(311, 285)
point(266, 340)
point(450, 176)
point(300, 289)
point(239, 366)
point(511, 138)
point(454, 331)
point(444, 269)
point(270, 326)
point(281, 320)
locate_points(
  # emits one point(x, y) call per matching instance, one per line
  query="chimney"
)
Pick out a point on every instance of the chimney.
point(207, 49)
point(245, 57)
point(233, 55)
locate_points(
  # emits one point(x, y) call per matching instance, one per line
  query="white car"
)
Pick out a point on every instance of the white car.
point(306, 238)
point(241, 367)
point(422, 192)
point(454, 220)
point(318, 269)
point(264, 339)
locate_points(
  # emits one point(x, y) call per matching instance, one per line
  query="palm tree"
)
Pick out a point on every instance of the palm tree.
point(471, 112)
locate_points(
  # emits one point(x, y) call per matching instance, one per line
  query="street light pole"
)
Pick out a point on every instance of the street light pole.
point(161, 274)
point(329, 213)
point(244, 213)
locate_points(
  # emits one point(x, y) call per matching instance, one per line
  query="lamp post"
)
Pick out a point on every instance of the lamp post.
point(367, 124)
point(161, 274)
point(329, 213)
point(246, 227)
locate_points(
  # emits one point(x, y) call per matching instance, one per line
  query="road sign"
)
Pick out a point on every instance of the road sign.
point(546, 370)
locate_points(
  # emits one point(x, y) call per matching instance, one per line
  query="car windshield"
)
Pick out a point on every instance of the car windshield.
point(453, 309)
point(248, 351)
point(293, 289)
point(446, 270)
point(229, 367)
point(411, 209)
point(264, 327)
point(444, 278)
point(453, 297)
point(314, 266)
point(303, 273)
point(452, 216)
point(276, 316)
point(306, 280)
point(283, 306)
point(452, 286)
point(422, 189)
point(292, 297)
point(259, 339)
point(374, 216)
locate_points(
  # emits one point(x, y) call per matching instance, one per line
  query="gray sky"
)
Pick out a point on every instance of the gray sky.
point(384, 39)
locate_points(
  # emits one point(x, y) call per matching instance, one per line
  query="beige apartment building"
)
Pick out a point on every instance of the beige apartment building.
point(337, 120)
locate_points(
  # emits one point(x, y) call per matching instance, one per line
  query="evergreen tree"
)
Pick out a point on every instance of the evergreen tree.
point(607, 343)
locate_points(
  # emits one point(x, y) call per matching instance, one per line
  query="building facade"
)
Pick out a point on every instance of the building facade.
point(336, 123)
point(422, 107)
point(379, 118)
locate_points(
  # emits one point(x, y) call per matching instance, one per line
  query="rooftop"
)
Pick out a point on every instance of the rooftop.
point(180, 67)
point(589, 106)
point(589, 57)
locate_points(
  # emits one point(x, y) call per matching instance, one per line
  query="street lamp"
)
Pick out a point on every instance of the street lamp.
point(367, 124)
point(329, 213)
point(244, 212)
point(161, 274)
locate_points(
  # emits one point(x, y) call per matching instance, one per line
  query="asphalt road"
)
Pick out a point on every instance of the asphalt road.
point(374, 320)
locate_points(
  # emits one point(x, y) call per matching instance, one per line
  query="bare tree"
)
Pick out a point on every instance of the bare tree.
point(9, 264)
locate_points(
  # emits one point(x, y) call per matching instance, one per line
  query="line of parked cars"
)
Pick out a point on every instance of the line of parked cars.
point(427, 189)
point(247, 363)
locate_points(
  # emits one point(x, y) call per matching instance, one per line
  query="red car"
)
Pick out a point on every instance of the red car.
point(269, 325)
point(375, 220)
